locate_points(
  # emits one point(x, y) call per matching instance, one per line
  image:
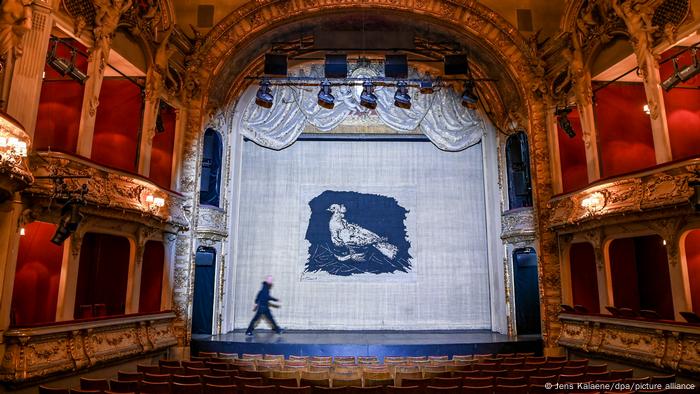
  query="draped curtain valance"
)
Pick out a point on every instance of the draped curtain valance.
point(440, 115)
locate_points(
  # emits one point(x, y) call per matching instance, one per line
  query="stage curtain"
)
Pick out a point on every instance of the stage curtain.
point(440, 115)
point(35, 292)
point(692, 257)
point(103, 272)
point(448, 284)
point(151, 277)
point(572, 156)
point(624, 130)
point(584, 279)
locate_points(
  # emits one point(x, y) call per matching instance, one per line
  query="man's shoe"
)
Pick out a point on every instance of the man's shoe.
point(249, 333)
point(279, 330)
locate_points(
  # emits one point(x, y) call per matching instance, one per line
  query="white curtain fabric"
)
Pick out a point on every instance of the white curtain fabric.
point(440, 115)
point(448, 286)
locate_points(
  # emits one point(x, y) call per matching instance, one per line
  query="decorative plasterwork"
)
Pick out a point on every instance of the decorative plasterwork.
point(664, 187)
point(208, 66)
point(675, 347)
point(14, 172)
point(34, 353)
point(518, 225)
point(212, 220)
point(108, 189)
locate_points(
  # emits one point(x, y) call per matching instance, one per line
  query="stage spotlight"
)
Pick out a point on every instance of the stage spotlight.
point(264, 97)
point(426, 86)
point(367, 98)
point(696, 196)
point(691, 70)
point(74, 71)
point(674, 79)
point(61, 65)
point(325, 98)
point(564, 123)
point(469, 96)
point(70, 219)
point(401, 97)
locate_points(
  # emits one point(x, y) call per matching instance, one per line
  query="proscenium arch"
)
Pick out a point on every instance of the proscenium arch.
point(501, 40)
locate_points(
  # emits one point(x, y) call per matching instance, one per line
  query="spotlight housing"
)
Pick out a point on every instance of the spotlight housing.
point(564, 123)
point(469, 96)
point(61, 65)
point(691, 70)
point(401, 97)
point(367, 98)
point(325, 98)
point(264, 96)
point(426, 86)
point(70, 219)
point(674, 79)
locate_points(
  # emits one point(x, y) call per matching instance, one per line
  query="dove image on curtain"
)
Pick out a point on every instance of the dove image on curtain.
point(356, 233)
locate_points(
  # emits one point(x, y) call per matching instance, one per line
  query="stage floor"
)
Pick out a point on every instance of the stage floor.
point(367, 343)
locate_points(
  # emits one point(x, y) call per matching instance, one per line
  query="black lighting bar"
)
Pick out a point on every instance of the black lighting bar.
point(352, 81)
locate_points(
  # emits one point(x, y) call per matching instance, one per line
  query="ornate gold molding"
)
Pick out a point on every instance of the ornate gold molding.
point(110, 190)
point(34, 353)
point(673, 347)
point(647, 191)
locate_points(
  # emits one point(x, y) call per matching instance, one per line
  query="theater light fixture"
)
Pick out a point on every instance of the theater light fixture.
point(154, 204)
point(70, 219)
point(691, 70)
point(74, 71)
point(564, 123)
point(367, 98)
point(674, 79)
point(61, 65)
point(426, 86)
point(325, 98)
point(264, 96)
point(401, 97)
point(469, 96)
point(64, 66)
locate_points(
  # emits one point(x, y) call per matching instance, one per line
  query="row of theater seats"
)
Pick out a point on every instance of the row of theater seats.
point(253, 374)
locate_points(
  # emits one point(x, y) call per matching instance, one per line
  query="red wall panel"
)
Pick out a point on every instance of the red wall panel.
point(653, 275)
point(103, 272)
point(624, 130)
point(623, 272)
point(692, 256)
point(117, 124)
point(572, 156)
point(162, 153)
point(584, 280)
point(682, 110)
point(35, 292)
point(151, 277)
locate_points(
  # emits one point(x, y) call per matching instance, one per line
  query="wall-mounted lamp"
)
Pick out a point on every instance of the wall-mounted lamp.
point(646, 109)
point(154, 204)
point(593, 203)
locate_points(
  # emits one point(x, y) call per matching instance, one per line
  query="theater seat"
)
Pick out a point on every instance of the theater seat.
point(294, 390)
point(94, 384)
point(220, 389)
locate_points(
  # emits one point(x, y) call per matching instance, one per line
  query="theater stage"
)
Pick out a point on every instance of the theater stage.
point(367, 343)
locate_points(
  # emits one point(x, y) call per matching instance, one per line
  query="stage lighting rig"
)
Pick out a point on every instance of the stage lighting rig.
point(367, 98)
point(72, 200)
point(264, 96)
point(692, 70)
point(563, 120)
point(401, 98)
point(469, 96)
point(325, 98)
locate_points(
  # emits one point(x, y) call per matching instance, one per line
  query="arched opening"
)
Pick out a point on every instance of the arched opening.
point(518, 165)
point(210, 185)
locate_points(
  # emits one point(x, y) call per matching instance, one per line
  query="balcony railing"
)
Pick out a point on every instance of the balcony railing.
point(39, 352)
point(662, 344)
point(661, 187)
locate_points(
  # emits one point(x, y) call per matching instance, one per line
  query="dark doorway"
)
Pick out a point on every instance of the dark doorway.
point(527, 294)
point(203, 301)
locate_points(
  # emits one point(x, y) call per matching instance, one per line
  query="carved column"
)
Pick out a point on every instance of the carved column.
point(596, 239)
point(10, 212)
point(637, 18)
point(583, 92)
point(555, 162)
point(68, 283)
point(180, 130)
point(670, 231)
point(107, 18)
point(25, 90)
point(166, 298)
point(15, 22)
point(133, 287)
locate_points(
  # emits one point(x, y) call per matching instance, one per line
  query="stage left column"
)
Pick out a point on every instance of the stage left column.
point(27, 77)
